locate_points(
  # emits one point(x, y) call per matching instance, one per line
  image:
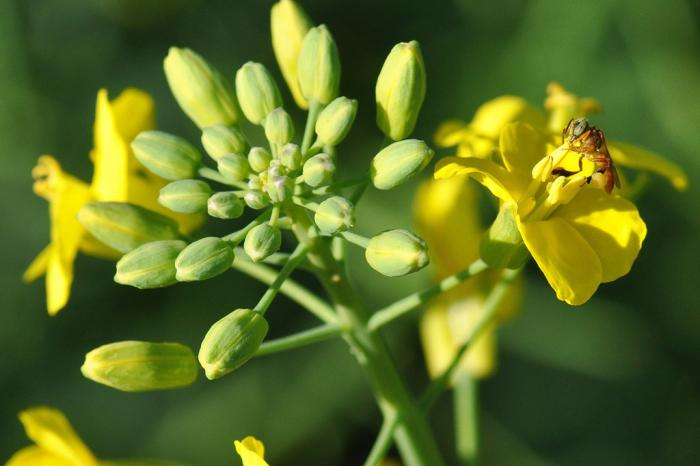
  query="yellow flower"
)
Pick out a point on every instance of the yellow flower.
point(479, 138)
point(447, 217)
point(579, 235)
point(57, 444)
point(251, 451)
point(117, 177)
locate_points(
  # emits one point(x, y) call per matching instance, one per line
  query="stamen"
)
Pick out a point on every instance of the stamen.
point(46, 174)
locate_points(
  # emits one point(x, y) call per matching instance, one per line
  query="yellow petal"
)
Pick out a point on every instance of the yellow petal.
point(251, 451)
point(36, 456)
point(494, 177)
point(521, 148)
point(51, 431)
point(611, 225)
point(38, 266)
point(636, 158)
point(133, 111)
point(492, 116)
point(111, 155)
point(446, 214)
point(569, 263)
point(450, 133)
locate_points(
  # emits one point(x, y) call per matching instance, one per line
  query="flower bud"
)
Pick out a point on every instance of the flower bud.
point(123, 226)
point(280, 188)
point(234, 167)
point(204, 259)
point(231, 342)
point(501, 245)
point(150, 266)
point(185, 196)
point(262, 241)
point(319, 170)
point(398, 162)
point(256, 200)
point(199, 89)
point(219, 140)
point(319, 66)
point(168, 156)
point(335, 121)
point(225, 204)
point(137, 366)
point(396, 252)
point(279, 128)
point(334, 215)
point(257, 92)
point(400, 90)
point(290, 157)
point(259, 159)
point(289, 25)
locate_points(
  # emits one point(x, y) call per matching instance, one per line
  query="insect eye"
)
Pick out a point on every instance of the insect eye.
point(579, 126)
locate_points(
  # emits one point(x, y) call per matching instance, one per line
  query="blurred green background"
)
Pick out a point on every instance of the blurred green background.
point(615, 382)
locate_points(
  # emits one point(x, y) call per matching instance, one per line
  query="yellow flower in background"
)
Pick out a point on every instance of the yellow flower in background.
point(251, 451)
point(579, 235)
point(479, 138)
point(117, 177)
point(447, 217)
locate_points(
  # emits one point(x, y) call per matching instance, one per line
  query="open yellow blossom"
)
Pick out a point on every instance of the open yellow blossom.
point(57, 444)
point(251, 451)
point(479, 138)
point(579, 235)
point(447, 217)
point(117, 177)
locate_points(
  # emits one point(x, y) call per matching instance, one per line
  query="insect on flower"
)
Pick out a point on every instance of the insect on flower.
point(590, 141)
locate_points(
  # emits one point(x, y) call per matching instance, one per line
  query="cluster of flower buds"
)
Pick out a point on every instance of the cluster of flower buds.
point(278, 180)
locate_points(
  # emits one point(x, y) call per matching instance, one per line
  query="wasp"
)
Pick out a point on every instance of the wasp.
point(590, 142)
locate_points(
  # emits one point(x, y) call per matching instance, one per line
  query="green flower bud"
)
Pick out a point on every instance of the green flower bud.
point(279, 128)
point(138, 366)
point(398, 162)
point(396, 252)
point(259, 159)
point(319, 66)
point(255, 183)
point(290, 157)
point(400, 90)
point(289, 25)
point(170, 157)
point(185, 196)
point(334, 215)
point(335, 121)
point(204, 259)
point(501, 245)
point(319, 170)
point(280, 188)
point(123, 226)
point(262, 241)
point(234, 167)
point(225, 205)
point(150, 266)
point(199, 89)
point(219, 140)
point(231, 342)
point(256, 200)
point(257, 92)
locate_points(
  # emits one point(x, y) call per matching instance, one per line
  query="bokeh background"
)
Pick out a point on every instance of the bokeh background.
point(615, 382)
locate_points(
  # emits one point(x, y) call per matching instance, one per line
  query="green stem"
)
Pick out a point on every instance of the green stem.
point(239, 235)
point(323, 190)
point(295, 259)
point(466, 411)
point(354, 238)
point(397, 309)
point(289, 288)
point(382, 443)
point(213, 175)
point(314, 110)
point(412, 434)
point(301, 339)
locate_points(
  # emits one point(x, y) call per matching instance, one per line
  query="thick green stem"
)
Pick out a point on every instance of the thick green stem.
point(413, 436)
point(466, 411)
